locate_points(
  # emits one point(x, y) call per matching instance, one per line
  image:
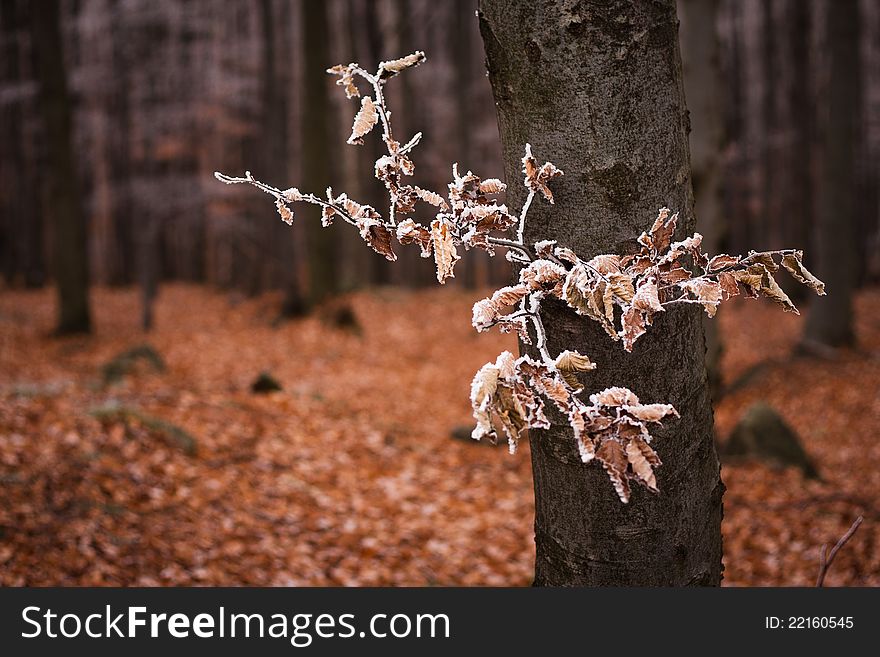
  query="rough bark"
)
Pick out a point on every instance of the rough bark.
point(596, 87)
point(704, 93)
point(830, 321)
point(64, 202)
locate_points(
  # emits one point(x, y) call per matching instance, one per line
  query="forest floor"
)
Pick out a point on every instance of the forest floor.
point(350, 475)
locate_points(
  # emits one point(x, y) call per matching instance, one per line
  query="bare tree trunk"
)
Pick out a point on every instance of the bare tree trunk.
point(799, 209)
point(830, 321)
point(704, 93)
point(64, 207)
point(597, 89)
point(274, 150)
point(322, 245)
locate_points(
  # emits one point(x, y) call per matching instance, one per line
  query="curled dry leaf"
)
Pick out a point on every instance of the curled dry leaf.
point(570, 363)
point(492, 186)
point(536, 178)
point(706, 291)
point(364, 121)
point(408, 232)
point(395, 66)
point(613, 458)
point(377, 235)
point(285, 212)
point(445, 254)
point(346, 79)
point(793, 263)
point(643, 460)
point(431, 197)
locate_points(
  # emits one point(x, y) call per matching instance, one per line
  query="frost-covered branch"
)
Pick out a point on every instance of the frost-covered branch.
point(623, 294)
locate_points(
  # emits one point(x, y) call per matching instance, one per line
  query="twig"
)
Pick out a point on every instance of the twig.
point(825, 564)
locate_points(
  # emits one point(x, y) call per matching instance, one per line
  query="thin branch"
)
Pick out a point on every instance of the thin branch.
point(522, 216)
point(825, 564)
point(279, 195)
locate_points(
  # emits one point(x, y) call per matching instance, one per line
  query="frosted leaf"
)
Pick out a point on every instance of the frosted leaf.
point(431, 197)
point(346, 79)
point(757, 280)
point(650, 412)
point(569, 363)
point(395, 66)
point(566, 254)
point(536, 178)
point(646, 297)
point(765, 259)
point(792, 262)
point(612, 457)
point(643, 460)
point(408, 231)
point(544, 248)
point(633, 327)
point(729, 288)
point(590, 296)
point(485, 314)
point(285, 212)
point(327, 213)
point(574, 361)
point(707, 291)
point(620, 285)
point(615, 397)
point(377, 235)
point(482, 389)
point(445, 254)
point(586, 447)
point(292, 194)
point(606, 264)
point(691, 245)
point(492, 186)
point(364, 121)
point(660, 234)
point(722, 261)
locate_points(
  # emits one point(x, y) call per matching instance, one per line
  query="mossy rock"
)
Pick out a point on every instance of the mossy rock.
point(125, 363)
point(763, 434)
point(170, 433)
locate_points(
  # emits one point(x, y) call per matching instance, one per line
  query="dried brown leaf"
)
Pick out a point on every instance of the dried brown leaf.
point(613, 458)
point(643, 460)
point(395, 66)
point(364, 121)
point(445, 254)
point(793, 263)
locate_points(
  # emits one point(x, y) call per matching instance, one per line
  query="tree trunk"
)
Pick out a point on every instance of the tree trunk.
point(322, 256)
point(275, 152)
point(64, 206)
point(597, 89)
point(830, 321)
point(704, 92)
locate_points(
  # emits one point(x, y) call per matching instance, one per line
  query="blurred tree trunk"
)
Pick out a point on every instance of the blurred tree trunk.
point(799, 208)
point(21, 223)
point(830, 321)
point(704, 93)
point(322, 255)
point(598, 90)
point(64, 206)
point(275, 154)
point(769, 118)
point(124, 260)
